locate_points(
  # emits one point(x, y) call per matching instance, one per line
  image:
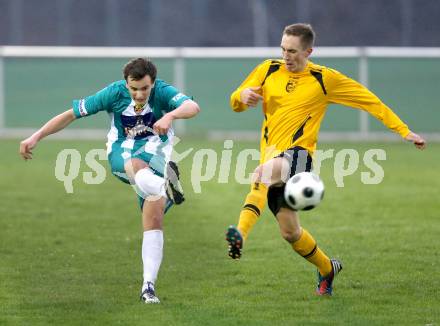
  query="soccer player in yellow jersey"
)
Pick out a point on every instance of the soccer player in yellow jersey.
point(295, 94)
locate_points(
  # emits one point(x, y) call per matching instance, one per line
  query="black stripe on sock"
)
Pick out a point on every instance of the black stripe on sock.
point(311, 253)
point(252, 208)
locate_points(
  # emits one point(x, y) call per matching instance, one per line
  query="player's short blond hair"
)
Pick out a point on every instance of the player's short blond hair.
point(304, 31)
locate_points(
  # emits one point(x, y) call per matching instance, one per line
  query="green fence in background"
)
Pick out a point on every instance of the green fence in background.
point(35, 89)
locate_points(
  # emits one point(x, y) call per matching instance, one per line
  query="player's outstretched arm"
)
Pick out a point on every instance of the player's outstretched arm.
point(417, 140)
point(186, 110)
point(54, 125)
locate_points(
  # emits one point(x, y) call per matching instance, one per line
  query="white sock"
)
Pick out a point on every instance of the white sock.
point(152, 252)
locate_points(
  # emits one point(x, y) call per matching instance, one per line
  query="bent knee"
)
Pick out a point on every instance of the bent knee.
point(291, 235)
point(149, 183)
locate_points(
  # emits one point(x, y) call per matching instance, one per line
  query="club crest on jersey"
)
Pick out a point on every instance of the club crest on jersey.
point(138, 108)
point(290, 86)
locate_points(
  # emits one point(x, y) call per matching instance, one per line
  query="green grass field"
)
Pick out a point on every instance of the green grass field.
point(75, 258)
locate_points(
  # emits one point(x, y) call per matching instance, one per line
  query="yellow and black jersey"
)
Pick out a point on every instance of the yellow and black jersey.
point(294, 104)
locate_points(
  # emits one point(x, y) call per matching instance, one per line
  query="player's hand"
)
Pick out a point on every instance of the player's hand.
point(418, 141)
point(162, 126)
point(26, 147)
point(250, 96)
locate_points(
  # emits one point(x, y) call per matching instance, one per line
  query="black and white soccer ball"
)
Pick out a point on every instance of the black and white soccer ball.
point(304, 191)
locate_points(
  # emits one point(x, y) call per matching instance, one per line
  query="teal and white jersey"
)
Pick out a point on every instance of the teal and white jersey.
point(131, 132)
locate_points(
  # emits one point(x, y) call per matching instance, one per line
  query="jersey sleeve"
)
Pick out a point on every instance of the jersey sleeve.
point(255, 79)
point(101, 101)
point(344, 90)
point(172, 98)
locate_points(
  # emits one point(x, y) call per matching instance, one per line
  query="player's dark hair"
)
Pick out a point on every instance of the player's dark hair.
point(138, 68)
point(304, 31)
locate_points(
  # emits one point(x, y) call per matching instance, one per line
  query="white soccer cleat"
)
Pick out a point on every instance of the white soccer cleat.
point(148, 294)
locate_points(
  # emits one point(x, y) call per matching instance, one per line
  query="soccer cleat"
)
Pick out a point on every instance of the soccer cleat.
point(235, 242)
point(325, 284)
point(148, 295)
point(173, 187)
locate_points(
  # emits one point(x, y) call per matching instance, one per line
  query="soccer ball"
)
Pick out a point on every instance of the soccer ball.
point(304, 191)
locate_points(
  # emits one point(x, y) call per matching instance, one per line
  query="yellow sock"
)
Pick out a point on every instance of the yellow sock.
point(306, 246)
point(253, 206)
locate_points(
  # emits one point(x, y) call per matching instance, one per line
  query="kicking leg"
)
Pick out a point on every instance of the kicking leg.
point(305, 245)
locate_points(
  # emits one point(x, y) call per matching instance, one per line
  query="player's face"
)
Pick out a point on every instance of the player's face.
point(140, 89)
point(294, 54)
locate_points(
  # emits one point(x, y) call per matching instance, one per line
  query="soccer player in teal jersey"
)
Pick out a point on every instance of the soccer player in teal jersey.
point(139, 145)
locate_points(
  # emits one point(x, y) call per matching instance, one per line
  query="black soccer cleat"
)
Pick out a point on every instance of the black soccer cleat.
point(173, 188)
point(235, 242)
